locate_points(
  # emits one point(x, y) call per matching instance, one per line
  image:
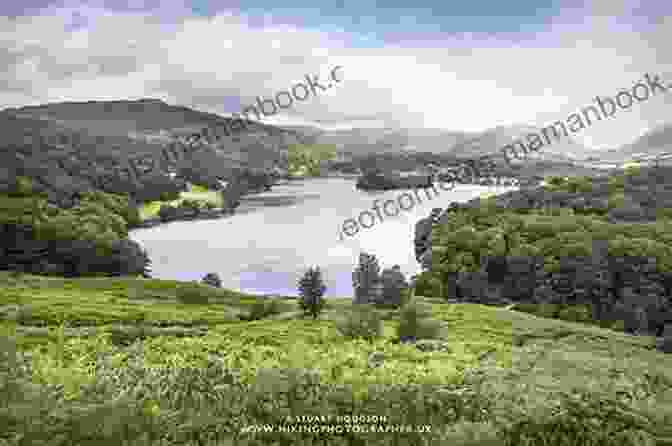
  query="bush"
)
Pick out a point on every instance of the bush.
point(23, 187)
point(169, 196)
point(576, 313)
point(263, 308)
point(363, 322)
point(616, 200)
point(427, 285)
point(524, 307)
point(190, 204)
point(415, 323)
point(192, 294)
point(549, 311)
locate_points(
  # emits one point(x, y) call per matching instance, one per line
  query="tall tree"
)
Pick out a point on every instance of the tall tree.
point(366, 274)
point(311, 290)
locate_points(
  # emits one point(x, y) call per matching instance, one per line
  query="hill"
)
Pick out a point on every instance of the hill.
point(494, 376)
point(70, 147)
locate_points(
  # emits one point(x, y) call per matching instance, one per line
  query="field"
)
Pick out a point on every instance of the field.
point(151, 209)
point(525, 373)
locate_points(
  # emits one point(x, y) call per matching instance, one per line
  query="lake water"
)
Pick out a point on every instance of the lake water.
point(275, 236)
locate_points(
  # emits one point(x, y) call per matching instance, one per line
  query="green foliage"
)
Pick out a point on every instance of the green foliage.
point(263, 308)
point(197, 188)
point(116, 204)
point(190, 204)
point(633, 170)
point(362, 322)
point(365, 275)
point(427, 285)
point(616, 200)
point(576, 313)
point(556, 181)
point(306, 158)
point(415, 322)
point(581, 184)
point(98, 217)
point(460, 243)
point(23, 187)
point(311, 291)
point(394, 285)
point(206, 390)
point(191, 293)
point(548, 310)
point(617, 183)
point(170, 196)
point(526, 307)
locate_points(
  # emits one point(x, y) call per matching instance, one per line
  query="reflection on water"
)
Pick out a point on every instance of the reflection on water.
point(275, 236)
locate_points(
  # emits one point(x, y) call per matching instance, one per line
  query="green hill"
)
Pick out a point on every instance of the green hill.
point(134, 350)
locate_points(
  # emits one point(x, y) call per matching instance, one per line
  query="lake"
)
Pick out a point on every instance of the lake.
point(275, 236)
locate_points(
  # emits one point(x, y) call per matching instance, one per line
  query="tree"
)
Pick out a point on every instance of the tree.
point(167, 212)
point(366, 274)
point(212, 279)
point(311, 290)
point(394, 284)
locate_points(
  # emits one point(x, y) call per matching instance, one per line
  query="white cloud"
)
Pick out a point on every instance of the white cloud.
point(463, 84)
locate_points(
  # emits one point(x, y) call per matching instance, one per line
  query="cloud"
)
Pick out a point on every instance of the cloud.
point(466, 82)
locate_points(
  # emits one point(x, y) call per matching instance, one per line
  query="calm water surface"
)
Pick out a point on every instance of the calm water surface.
point(275, 236)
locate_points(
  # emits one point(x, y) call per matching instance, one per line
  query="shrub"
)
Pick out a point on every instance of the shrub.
point(547, 310)
point(23, 187)
point(616, 200)
point(264, 307)
point(555, 181)
point(192, 294)
point(363, 322)
point(525, 307)
point(576, 313)
point(169, 196)
point(311, 290)
point(415, 323)
point(190, 204)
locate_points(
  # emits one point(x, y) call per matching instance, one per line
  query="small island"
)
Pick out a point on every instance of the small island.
point(376, 180)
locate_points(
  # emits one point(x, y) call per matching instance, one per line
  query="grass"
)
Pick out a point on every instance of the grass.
point(528, 364)
point(150, 209)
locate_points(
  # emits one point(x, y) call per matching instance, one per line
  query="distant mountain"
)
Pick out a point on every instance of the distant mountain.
point(493, 140)
point(363, 141)
point(366, 141)
point(648, 145)
point(656, 140)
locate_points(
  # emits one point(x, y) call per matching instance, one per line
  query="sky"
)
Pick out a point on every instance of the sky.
point(459, 66)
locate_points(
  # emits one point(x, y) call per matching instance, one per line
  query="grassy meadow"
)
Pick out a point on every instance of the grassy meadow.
point(150, 209)
point(536, 381)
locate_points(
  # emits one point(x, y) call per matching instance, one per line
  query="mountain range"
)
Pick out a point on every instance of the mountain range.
point(65, 146)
